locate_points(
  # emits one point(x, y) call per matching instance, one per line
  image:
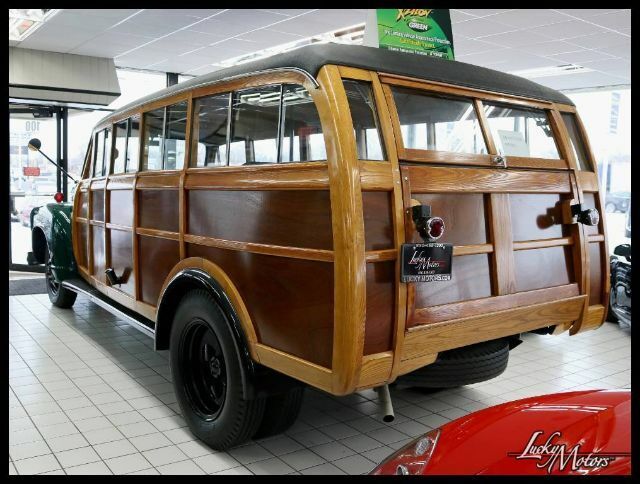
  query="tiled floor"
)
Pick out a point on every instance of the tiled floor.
point(87, 395)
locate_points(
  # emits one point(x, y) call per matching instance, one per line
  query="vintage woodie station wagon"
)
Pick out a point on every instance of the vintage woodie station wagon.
point(259, 223)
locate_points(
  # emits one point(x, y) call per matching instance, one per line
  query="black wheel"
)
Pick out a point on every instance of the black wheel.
point(462, 366)
point(611, 316)
point(280, 412)
point(207, 375)
point(59, 296)
point(610, 207)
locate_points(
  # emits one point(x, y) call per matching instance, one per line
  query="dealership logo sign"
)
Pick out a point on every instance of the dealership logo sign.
point(549, 453)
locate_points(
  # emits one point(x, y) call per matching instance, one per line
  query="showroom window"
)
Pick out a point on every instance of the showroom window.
point(429, 122)
point(302, 138)
point(254, 126)
point(521, 132)
point(365, 120)
point(210, 119)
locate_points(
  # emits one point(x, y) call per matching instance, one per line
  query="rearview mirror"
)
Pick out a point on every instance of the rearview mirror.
point(34, 144)
point(623, 250)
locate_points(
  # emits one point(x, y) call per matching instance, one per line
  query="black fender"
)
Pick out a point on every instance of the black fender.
point(257, 380)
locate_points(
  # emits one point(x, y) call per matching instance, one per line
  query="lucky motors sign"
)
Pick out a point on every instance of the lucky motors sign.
point(418, 31)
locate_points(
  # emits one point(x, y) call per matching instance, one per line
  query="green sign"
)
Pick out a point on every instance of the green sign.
point(418, 31)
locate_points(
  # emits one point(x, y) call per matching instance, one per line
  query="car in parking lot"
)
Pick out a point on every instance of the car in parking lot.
point(573, 433)
point(617, 201)
point(334, 216)
point(620, 295)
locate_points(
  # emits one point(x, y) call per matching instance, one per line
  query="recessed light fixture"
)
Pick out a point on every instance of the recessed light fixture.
point(561, 70)
point(24, 21)
point(349, 35)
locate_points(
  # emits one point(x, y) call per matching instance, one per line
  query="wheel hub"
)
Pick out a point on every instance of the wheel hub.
point(214, 367)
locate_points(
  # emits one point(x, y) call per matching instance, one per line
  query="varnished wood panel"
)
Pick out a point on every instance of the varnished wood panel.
point(97, 204)
point(434, 338)
point(122, 259)
point(83, 203)
point(463, 215)
point(378, 332)
point(121, 207)
point(478, 307)
point(378, 220)
point(500, 234)
point(98, 252)
point(480, 180)
point(290, 301)
point(595, 273)
point(470, 279)
point(158, 209)
point(288, 218)
point(82, 232)
point(538, 268)
point(156, 259)
point(536, 216)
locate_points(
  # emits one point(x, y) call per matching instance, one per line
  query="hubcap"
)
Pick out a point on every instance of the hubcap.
point(52, 285)
point(203, 369)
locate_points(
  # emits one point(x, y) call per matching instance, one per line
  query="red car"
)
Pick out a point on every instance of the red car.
point(584, 432)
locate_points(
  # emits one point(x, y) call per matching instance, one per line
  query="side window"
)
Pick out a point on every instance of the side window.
point(88, 158)
point(174, 147)
point(120, 149)
point(577, 142)
point(302, 138)
point(153, 137)
point(254, 126)
point(429, 122)
point(133, 144)
point(99, 154)
point(365, 120)
point(107, 151)
point(209, 139)
point(521, 132)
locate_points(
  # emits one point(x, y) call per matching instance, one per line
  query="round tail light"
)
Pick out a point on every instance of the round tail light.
point(58, 197)
point(435, 228)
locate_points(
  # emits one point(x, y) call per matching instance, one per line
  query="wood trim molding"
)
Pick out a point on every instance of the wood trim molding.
point(502, 259)
point(376, 370)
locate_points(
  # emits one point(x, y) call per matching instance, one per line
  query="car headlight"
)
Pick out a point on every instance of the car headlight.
point(412, 458)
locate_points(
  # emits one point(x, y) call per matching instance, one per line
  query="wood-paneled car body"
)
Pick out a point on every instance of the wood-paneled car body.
point(252, 221)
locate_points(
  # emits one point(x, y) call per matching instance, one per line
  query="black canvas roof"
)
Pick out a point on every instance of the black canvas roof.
point(312, 57)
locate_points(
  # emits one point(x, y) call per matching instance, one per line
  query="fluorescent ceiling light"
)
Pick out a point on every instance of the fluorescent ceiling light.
point(24, 21)
point(551, 71)
point(349, 35)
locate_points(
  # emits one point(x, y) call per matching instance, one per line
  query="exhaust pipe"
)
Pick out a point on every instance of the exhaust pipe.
point(386, 407)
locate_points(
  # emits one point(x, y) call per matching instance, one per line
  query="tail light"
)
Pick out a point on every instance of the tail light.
point(412, 459)
point(58, 197)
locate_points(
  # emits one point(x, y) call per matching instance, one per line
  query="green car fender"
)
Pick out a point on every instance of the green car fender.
point(53, 220)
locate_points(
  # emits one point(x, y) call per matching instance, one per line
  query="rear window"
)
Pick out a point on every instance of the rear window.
point(365, 120)
point(429, 122)
point(521, 132)
point(577, 143)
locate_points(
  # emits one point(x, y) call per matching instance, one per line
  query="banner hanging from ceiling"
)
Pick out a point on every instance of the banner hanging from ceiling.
point(418, 31)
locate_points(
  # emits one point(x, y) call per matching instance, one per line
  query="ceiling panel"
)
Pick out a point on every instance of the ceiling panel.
point(192, 40)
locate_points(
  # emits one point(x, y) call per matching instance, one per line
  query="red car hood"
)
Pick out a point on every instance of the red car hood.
point(493, 441)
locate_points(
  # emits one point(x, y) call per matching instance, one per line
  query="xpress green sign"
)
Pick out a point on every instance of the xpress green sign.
point(418, 31)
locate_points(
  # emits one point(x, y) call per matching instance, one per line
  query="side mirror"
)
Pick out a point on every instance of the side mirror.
point(34, 144)
point(623, 250)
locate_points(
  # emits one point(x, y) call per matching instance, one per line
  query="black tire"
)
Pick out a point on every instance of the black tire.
point(610, 207)
point(280, 412)
point(462, 366)
point(611, 316)
point(207, 374)
point(60, 297)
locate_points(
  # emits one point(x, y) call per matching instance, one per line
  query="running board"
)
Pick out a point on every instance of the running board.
point(137, 321)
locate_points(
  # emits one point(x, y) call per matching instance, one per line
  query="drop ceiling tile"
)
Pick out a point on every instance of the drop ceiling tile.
point(270, 37)
point(581, 56)
point(479, 28)
point(336, 17)
point(515, 39)
point(579, 81)
point(306, 28)
point(195, 38)
point(288, 12)
point(458, 16)
point(598, 41)
point(484, 12)
point(114, 13)
point(567, 30)
point(616, 67)
point(484, 58)
point(528, 18)
point(462, 46)
point(197, 13)
point(73, 20)
point(623, 50)
point(586, 12)
point(615, 20)
point(526, 61)
point(249, 19)
point(98, 49)
point(550, 47)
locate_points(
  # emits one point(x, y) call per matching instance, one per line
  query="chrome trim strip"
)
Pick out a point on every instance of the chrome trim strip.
point(105, 305)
